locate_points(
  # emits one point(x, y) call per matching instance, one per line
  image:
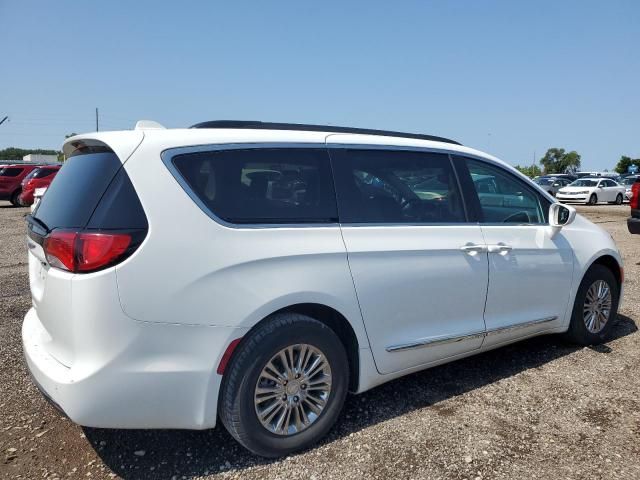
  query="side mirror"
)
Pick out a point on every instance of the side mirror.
point(559, 216)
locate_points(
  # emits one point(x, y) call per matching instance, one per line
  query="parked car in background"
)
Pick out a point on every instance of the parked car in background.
point(38, 178)
point(628, 182)
point(592, 190)
point(240, 271)
point(11, 178)
point(633, 222)
point(552, 184)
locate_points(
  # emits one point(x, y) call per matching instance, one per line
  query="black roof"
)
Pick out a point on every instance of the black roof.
point(258, 125)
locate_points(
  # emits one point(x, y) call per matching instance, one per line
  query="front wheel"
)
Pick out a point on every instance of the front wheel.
point(595, 307)
point(593, 199)
point(285, 385)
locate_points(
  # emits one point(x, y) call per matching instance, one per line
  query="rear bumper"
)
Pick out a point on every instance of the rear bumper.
point(633, 224)
point(164, 377)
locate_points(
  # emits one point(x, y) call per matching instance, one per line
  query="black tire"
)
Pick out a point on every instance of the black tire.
point(593, 199)
point(578, 332)
point(619, 199)
point(15, 201)
point(236, 405)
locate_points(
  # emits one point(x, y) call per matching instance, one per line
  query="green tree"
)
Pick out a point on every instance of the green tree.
point(558, 160)
point(624, 162)
point(530, 171)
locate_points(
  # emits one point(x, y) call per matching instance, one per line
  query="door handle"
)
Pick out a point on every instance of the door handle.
point(500, 248)
point(473, 249)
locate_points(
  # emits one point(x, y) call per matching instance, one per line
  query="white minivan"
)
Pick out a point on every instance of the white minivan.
point(257, 272)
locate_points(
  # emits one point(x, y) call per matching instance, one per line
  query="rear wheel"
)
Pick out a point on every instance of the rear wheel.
point(285, 385)
point(619, 199)
point(593, 199)
point(15, 198)
point(595, 308)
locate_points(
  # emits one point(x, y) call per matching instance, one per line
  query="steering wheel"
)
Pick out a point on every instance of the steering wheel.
point(521, 217)
point(406, 203)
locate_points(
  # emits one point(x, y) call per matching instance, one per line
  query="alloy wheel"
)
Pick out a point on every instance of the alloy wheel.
point(293, 389)
point(597, 306)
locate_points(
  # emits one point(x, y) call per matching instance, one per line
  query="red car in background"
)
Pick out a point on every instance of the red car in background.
point(11, 178)
point(39, 178)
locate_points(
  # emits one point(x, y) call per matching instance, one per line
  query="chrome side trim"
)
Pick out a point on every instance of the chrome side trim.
point(518, 326)
point(431, 342)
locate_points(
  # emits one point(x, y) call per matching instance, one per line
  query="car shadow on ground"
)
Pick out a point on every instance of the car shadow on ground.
point(185, 454)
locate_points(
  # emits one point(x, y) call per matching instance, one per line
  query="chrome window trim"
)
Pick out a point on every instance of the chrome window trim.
point(169, 154)
point(412, 224)
point(432, 342)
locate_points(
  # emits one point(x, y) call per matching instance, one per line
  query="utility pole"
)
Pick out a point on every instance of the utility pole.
point(97, 124)
point(3, 120)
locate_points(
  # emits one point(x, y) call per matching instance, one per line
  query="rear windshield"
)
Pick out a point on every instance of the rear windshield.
point(10, 171)
point(584, 182)
point(544, 181)
point(42, 172)
point(76, 190)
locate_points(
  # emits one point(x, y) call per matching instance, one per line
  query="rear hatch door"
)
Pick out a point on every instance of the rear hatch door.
point(69, 203)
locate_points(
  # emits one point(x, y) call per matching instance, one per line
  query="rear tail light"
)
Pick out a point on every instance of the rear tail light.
point(87, 251)
point(635, 196)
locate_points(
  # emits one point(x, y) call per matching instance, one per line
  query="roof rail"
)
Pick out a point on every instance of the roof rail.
point(258, 125)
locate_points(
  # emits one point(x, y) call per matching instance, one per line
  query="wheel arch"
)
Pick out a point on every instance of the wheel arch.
point(337, 322)
point(610, 262)
point(333, 319)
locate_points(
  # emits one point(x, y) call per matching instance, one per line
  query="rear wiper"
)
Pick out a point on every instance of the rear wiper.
point(37, 221)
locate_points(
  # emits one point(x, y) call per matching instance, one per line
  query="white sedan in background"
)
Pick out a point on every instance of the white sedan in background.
point(592, 191)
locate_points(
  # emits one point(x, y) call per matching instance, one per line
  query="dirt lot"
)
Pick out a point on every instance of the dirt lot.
point(539, 409)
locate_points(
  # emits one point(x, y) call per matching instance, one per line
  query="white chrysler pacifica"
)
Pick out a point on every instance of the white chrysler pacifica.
point(257, 272)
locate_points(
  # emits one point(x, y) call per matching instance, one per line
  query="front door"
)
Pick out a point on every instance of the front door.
point(530, 273)
point(419, 269)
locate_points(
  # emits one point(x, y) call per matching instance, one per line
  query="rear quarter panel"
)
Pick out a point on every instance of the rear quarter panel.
point(193, 270)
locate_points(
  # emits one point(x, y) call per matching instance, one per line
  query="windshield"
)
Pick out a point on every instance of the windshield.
point(628, 181)
point(584, 182)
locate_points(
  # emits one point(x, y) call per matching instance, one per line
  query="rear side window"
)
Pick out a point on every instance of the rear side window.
point(10, 171)
point(272, 186)
point(43, 172)
point(379, 186)
point(91, 190)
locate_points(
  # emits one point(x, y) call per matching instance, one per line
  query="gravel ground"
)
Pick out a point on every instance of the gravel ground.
point(538, 409)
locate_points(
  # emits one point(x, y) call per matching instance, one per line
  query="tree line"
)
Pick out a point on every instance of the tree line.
point(13, 153)
point(558, 160)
